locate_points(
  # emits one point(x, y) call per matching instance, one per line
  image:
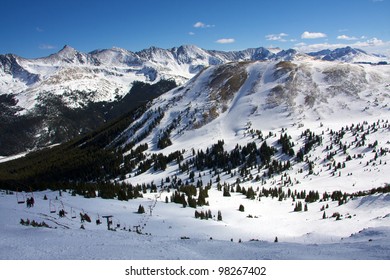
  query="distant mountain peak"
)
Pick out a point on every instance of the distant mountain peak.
point(67, 50)
point(346, 54)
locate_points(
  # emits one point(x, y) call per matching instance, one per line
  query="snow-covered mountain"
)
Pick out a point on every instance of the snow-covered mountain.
point(38, 91)
point(348, 54)
point(226, 130)
point(110, 72)
point(221, 100)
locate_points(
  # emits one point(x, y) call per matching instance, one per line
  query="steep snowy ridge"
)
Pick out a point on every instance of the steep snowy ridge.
point(273, 94)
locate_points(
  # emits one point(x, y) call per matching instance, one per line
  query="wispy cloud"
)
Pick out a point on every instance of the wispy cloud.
point(225, 41)
point(346, 37)
point(276, 37)
point(191, 33)
point(200, 24)
point(46, 47)
point(312, 35)
point(38, 29)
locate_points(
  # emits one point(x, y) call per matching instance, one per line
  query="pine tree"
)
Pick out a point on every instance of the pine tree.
point(226, 191)
point(298, 206)
point(141, 209)
point(324, 216)
point(250, 194)
point(219, 216)
point(241, 208)
point(191, 202)
point(209, 214)
point(202, 197)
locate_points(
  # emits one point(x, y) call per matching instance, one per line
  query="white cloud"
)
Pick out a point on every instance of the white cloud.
point(191, 33)
point(225, 41)
point(276, 37)
point(372, 43)
point(312, 35)
point(200, 24)
point(346, 37)
point(299, 45)
point(46, 47)
point(38, 29)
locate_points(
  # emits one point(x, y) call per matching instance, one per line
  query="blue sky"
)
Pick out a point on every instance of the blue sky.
point(38, 28)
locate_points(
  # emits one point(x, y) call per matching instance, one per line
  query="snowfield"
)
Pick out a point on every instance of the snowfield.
point(301, 235)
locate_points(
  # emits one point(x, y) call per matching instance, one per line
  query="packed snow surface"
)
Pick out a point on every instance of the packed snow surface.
point(171, 232)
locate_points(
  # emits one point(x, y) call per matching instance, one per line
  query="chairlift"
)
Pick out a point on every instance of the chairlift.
point(62, 211)
point(30, 194)
point(73, 213)
point(20, 198)
point(52, 207)
point(62, 206)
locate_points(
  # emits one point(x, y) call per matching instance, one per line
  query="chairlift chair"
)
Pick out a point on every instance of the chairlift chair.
point(73, 213)
point(31, 194)
point(52, 207)
point(20, 198)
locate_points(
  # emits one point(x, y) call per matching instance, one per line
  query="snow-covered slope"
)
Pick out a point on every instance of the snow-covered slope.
point(172, 232)
point(344, 106)
point(222, 101)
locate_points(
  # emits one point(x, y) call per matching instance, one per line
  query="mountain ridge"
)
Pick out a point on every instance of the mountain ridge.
point(70, 81)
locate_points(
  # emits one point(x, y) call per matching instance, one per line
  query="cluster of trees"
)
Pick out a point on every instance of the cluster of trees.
point(203, 215)
point(33, 223)
point(298, 207)
point(287, 145)
point(310, 140)
point(186, 196)
point(216, 157)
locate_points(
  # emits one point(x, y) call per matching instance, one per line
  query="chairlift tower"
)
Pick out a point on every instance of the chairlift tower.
point(109, 221)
